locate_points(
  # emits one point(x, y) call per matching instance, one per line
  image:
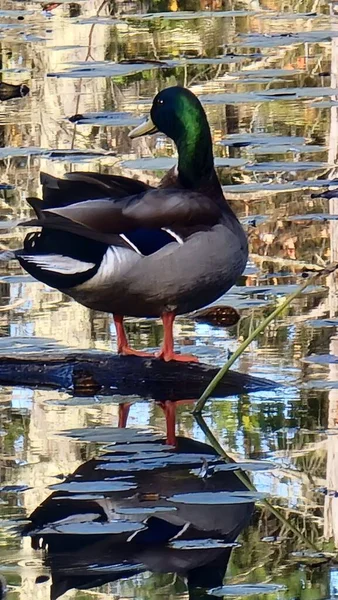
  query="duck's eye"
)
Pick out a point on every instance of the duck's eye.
point(160, 101)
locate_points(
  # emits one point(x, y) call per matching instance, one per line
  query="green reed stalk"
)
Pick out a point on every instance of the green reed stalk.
point(249, 485)
point(210, 388)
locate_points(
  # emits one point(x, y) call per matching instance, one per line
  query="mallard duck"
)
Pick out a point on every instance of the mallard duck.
point(117, 245)
point(97, 527)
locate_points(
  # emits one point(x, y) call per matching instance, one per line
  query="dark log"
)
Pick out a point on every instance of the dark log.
point(88, 373)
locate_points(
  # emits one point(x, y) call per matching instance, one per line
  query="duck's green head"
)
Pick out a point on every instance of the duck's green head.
point(176, 112)
point(179, 114)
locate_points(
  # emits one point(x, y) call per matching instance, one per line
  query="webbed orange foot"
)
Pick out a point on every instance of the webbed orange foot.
point(122, 341)
point(170, 355)
point(128, 351)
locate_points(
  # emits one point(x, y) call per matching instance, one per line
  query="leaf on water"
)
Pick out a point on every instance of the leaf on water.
point(247, 589)
point(253, 465)
point(243, 304)
point(284, 16)
point(83, 487)
point(247, 188)
point(30, 37)
point(314, 183)
point(12, 26)
point(199, 14)
point(97, 400)
point(228, 59)
point(82, 69)
point(266, 139)
point(298, 92)
point(13, 489)
point(322, 323)
point(77, 156)
point(46, 6)
point(16, 70)
point(97, 20)
point(59, 153)
point(229, 98)
point(268, 73)
point(138, 456)
point(145, 510)
point(319, 384)
point(321, 359)
point(157, 461)
point(254, 220)
point(268, 95)
point(309, 556)
point(324, 103)
point(313, 217)
point(13, 152)
point(11, 14)
point(164, 163)
point(330, 192)
point(116, 568)
point(205, 544)
point(16, 278)
point(114, 434)
point(10, 346)
point(217, 497)
point(134, 448)
point(276, 167)
point(274, 290)
point(9, 225)
point(53, 154)
point(90, 528)
point(279, 40)
point(28, 341)
point(78, 497)
point(113, 119)
point(66, 46)
point(300, 149)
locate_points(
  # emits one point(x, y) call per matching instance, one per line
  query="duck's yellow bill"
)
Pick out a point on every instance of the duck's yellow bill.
point(144, 129)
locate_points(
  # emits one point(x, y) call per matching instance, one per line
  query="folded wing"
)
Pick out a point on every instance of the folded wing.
point(154, 209)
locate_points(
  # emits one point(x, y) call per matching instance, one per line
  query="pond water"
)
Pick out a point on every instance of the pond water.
point(267, 74)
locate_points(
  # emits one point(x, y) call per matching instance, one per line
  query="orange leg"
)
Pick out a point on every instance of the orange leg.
point(123, 414)
point(169, 409)
point(167, 351)
point(122, 340)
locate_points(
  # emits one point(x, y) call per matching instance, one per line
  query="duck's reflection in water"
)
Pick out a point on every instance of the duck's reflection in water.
point(142, 506)
point(169, 409)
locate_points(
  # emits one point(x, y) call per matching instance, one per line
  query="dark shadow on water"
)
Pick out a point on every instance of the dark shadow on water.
point(93, 535)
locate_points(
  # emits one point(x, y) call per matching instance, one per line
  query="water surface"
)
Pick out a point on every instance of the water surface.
point(266, 72)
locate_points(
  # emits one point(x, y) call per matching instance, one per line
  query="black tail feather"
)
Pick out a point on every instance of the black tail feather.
point(49, 221)
point(81, 186)
point(37, 206)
